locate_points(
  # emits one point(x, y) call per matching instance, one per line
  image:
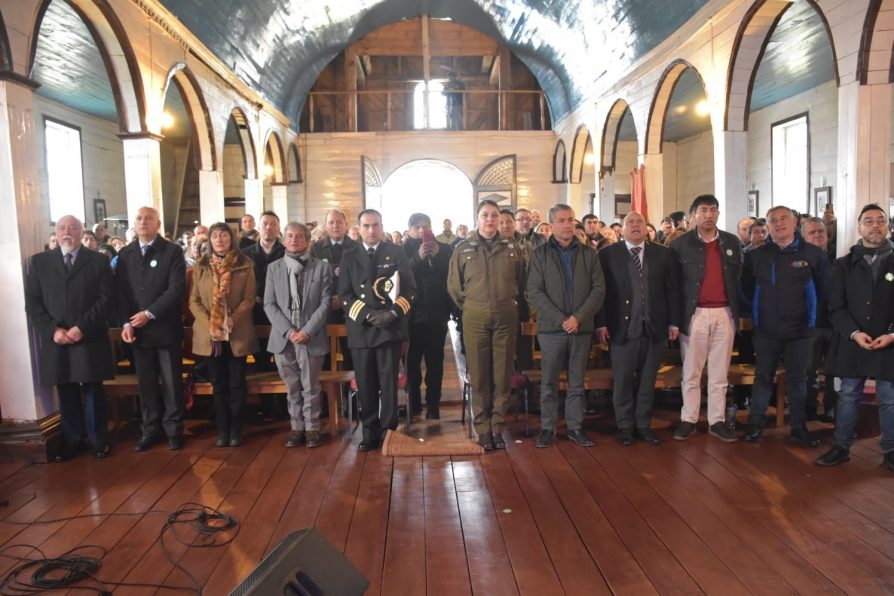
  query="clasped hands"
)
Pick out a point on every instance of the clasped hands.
point(66, 337)
point(381, 318)
point(865, 341)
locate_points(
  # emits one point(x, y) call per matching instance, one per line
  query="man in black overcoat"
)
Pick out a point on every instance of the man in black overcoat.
point(151, 284)
point(68, 294)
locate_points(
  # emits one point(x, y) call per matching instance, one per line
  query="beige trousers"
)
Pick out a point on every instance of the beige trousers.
point(710, 340)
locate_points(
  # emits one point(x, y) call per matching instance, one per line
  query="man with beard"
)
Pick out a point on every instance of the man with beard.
point(68, 293)
point(861, 306)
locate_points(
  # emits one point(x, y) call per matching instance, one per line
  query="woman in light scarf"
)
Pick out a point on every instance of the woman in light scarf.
point(221, 299)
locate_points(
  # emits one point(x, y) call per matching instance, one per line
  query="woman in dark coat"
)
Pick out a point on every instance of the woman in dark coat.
point(68, 295)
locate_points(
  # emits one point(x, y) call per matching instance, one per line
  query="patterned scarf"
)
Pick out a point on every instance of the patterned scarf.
point(219, 321)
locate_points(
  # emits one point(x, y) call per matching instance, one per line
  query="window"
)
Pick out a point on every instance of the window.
point(437, 106)
point(791, 163)
point(65, 178)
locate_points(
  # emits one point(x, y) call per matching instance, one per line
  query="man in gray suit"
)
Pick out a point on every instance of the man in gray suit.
point(296, 300)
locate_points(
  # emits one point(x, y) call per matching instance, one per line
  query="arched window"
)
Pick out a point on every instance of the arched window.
point(437, 106)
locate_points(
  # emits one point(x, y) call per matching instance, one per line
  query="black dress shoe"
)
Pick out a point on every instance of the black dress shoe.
point(834, 456)
point(647, 436)
point(143, 444)
point(499, 443)
point(102, 451)
point(804, 438)
point(625, 437)
point(175, 443)
point(579, 437)
point(223, 439)
point(545, 438)
point(754, 433)
point(366, 446)
point(433, 414)
point(236, 440)
point(486, 441)
point(67, 453)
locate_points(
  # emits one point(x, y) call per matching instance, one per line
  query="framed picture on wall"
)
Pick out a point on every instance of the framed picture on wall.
point(622, 205)
point(822, 196)
point(99, 210)
point(753, 203)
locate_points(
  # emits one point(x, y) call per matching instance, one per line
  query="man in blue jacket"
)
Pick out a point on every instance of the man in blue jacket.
point(785, 279)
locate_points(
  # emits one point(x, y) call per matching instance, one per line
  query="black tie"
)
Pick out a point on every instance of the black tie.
point(69, 263)
point(636, 260)
point(372, 253)
point(336, 254)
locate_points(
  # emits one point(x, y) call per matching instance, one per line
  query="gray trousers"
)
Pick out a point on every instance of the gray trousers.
point(634, 368)
point(301, 374)
point(559, 352)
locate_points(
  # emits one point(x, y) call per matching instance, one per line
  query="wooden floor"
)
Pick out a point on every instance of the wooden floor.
point(695, 516)
point(690, 517)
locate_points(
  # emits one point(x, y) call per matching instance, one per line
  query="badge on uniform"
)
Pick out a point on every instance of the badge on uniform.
point(465, 250)
point(387, 287)
point(800, 264)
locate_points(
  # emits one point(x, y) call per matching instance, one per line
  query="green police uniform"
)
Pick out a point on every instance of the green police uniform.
point(487, 281)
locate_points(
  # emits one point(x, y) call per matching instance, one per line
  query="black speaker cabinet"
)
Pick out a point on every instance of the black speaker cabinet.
point(304, 564)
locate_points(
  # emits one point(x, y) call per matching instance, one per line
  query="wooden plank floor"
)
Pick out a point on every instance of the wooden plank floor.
point(699, 516)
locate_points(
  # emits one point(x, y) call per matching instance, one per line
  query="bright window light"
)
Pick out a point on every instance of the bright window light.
point(65, 177)
point(791, 163)
point(437, 106)
point(448, 195)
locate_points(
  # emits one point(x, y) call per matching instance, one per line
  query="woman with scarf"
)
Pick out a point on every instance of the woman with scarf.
point(222, 299)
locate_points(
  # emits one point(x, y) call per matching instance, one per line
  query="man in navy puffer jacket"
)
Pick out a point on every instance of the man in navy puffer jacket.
point(785, 280)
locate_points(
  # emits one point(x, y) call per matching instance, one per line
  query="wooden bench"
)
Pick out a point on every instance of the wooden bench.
point(333, 380)
point(669, 376)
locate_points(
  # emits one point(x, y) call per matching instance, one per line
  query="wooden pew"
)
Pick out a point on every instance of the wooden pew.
point(125, 386)
point(669, 375)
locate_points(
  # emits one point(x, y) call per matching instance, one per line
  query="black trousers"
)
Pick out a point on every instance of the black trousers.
point(376, 372)
point(635, 365)
point(822, 340)
point(165, 410)
point(795, 354)
point(227, 374)
point(426, 342)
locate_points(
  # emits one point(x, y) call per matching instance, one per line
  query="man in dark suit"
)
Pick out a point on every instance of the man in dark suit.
point(377, 290)
point(68, 294)
point(151, 284)
point(430, 261)
point(331, 250)
point(642, 307)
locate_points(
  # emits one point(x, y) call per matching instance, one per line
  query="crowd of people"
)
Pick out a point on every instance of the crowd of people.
point(627, 284)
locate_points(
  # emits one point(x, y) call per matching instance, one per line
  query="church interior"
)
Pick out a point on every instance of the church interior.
point(209, 109)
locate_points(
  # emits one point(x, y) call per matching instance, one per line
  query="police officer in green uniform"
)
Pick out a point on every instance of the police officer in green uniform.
point(377, 290)
point(487, 281)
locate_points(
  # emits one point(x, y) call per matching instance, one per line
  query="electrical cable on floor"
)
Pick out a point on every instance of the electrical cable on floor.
point(75, 567)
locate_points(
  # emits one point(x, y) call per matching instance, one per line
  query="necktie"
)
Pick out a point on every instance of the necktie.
point(336, 254)
point(69, 262)
point(143, 249)
point(372, 253)
point(636, 260)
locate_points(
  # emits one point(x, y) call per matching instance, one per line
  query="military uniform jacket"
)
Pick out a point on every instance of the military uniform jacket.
point(155, 282)
point(857, 302)
point(324, 250)
point(56, 298)
point(359, 296)
point(485, 279)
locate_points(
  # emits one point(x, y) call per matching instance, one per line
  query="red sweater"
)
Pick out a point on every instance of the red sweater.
point(713, 291)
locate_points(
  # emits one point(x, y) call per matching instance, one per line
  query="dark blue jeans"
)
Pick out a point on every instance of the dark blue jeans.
point(74, 416)
point(848, 409)
point(794, 353)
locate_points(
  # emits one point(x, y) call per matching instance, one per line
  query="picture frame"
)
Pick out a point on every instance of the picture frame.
point(753, 203)
point(623, 204)
point(822, 196)
point(99, 210)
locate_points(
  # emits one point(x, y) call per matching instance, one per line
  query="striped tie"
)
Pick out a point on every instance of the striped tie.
point(636, 260)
